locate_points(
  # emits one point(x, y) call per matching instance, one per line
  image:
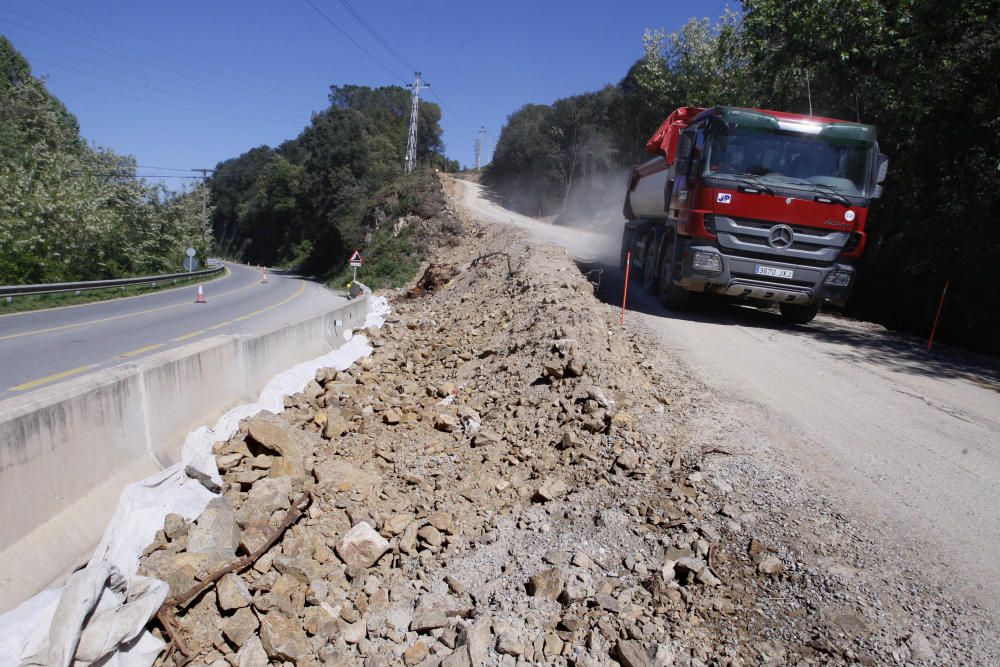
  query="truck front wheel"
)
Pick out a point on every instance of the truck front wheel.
point(797, 313)
point(672, 296)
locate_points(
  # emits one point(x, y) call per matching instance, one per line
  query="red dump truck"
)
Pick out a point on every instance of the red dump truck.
point(764, 206)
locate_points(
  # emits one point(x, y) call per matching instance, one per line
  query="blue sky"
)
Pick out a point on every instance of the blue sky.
point(191, 83)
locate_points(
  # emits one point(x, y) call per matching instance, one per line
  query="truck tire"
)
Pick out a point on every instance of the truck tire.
point(797, 313)
point(672, 296)
point(648, 268)
point(628, 238)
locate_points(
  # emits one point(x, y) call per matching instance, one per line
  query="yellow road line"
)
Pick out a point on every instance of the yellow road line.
point(50, 378)
point(142, 349)
point(113, 317)
point(186, 336)
point(225, 274)
point(149, 348)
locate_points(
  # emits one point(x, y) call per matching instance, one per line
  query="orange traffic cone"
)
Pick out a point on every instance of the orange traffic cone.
point(201, 296)
point(263, 276)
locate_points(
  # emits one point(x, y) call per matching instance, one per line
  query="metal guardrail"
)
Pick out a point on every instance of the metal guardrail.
point(54, 288)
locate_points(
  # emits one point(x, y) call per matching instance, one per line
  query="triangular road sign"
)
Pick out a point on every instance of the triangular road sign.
point(355, 259)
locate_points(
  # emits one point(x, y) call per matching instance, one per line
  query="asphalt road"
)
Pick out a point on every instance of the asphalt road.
point(906, 442)
point(41, 348)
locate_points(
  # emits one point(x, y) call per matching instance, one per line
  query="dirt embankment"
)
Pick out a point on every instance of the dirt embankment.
point(509, 480)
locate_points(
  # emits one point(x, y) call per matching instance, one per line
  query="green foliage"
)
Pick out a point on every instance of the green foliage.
point(390, 261)
point(69, 212)
point(403, 221)
point(923, 72)
point(302, 203)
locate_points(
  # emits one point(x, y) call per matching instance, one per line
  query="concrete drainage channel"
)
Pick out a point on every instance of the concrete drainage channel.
point(67, 452)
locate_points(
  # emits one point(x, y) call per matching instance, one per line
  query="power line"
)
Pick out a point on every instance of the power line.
point(157, 64)
point(166, 176)
point(141, 85)
point(175, 47)
point(374, 33)
point(146, 166)
point(391, 50)
point(354, 41)
point(164, 104)
point(443, 105)
point(209, 84)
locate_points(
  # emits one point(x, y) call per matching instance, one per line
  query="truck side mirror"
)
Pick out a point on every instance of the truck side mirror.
point(877, 192)
point(882, 168)
point(684, 150)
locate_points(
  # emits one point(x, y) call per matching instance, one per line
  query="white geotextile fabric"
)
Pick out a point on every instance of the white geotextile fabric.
point(104, 608)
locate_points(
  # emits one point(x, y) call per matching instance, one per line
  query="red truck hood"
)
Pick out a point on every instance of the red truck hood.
point(788, 210)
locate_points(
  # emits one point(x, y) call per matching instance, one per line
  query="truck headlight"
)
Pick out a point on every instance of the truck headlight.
point(838, 278)
point(707, 262)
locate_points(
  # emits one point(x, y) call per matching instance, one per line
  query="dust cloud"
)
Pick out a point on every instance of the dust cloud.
point(595, 205)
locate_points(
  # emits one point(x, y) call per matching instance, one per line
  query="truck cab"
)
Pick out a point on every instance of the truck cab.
point(759, 205)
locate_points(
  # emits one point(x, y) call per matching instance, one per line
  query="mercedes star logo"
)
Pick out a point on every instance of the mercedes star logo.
point(780, 237)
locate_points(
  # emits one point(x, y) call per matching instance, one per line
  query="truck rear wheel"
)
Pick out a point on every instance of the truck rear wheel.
point(627, 241)
point(672, 296)
point(797, 313)
point(648, 270)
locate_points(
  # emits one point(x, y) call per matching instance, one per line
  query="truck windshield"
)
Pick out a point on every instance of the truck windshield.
point(794, 158)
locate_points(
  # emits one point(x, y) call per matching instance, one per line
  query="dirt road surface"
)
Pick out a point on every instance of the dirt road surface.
point(905, 444)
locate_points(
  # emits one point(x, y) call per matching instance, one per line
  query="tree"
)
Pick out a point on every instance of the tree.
point(67, 211)
point(302, 203)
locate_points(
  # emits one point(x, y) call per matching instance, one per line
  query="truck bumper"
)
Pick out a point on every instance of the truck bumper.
point(705, 268)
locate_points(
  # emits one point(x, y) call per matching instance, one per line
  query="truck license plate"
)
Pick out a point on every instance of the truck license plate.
point(774, 272)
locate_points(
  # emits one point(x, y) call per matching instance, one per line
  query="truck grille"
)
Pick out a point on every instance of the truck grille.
point(750, 238)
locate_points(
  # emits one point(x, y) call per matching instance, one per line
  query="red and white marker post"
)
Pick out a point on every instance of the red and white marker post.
point(937, 317)
point(628, 265)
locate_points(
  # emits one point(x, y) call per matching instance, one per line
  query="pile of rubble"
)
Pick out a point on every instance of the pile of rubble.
point(501, 483)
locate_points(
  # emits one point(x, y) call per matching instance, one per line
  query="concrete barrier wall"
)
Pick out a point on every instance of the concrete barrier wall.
point(66, 452)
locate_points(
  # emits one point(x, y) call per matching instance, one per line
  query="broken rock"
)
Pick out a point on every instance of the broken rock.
point(547, 584)
point(252, 653)
point(632, 653)
point(215, 532)
point(233, 593)
point(550, 489)
point(283, 638)
point(239, 627)
point(361, 546)
point(275, 434)
point(342, 476)
point(771, 565)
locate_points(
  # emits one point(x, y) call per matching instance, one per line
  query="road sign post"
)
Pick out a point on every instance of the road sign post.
point(190, 263)
point(355, 261)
